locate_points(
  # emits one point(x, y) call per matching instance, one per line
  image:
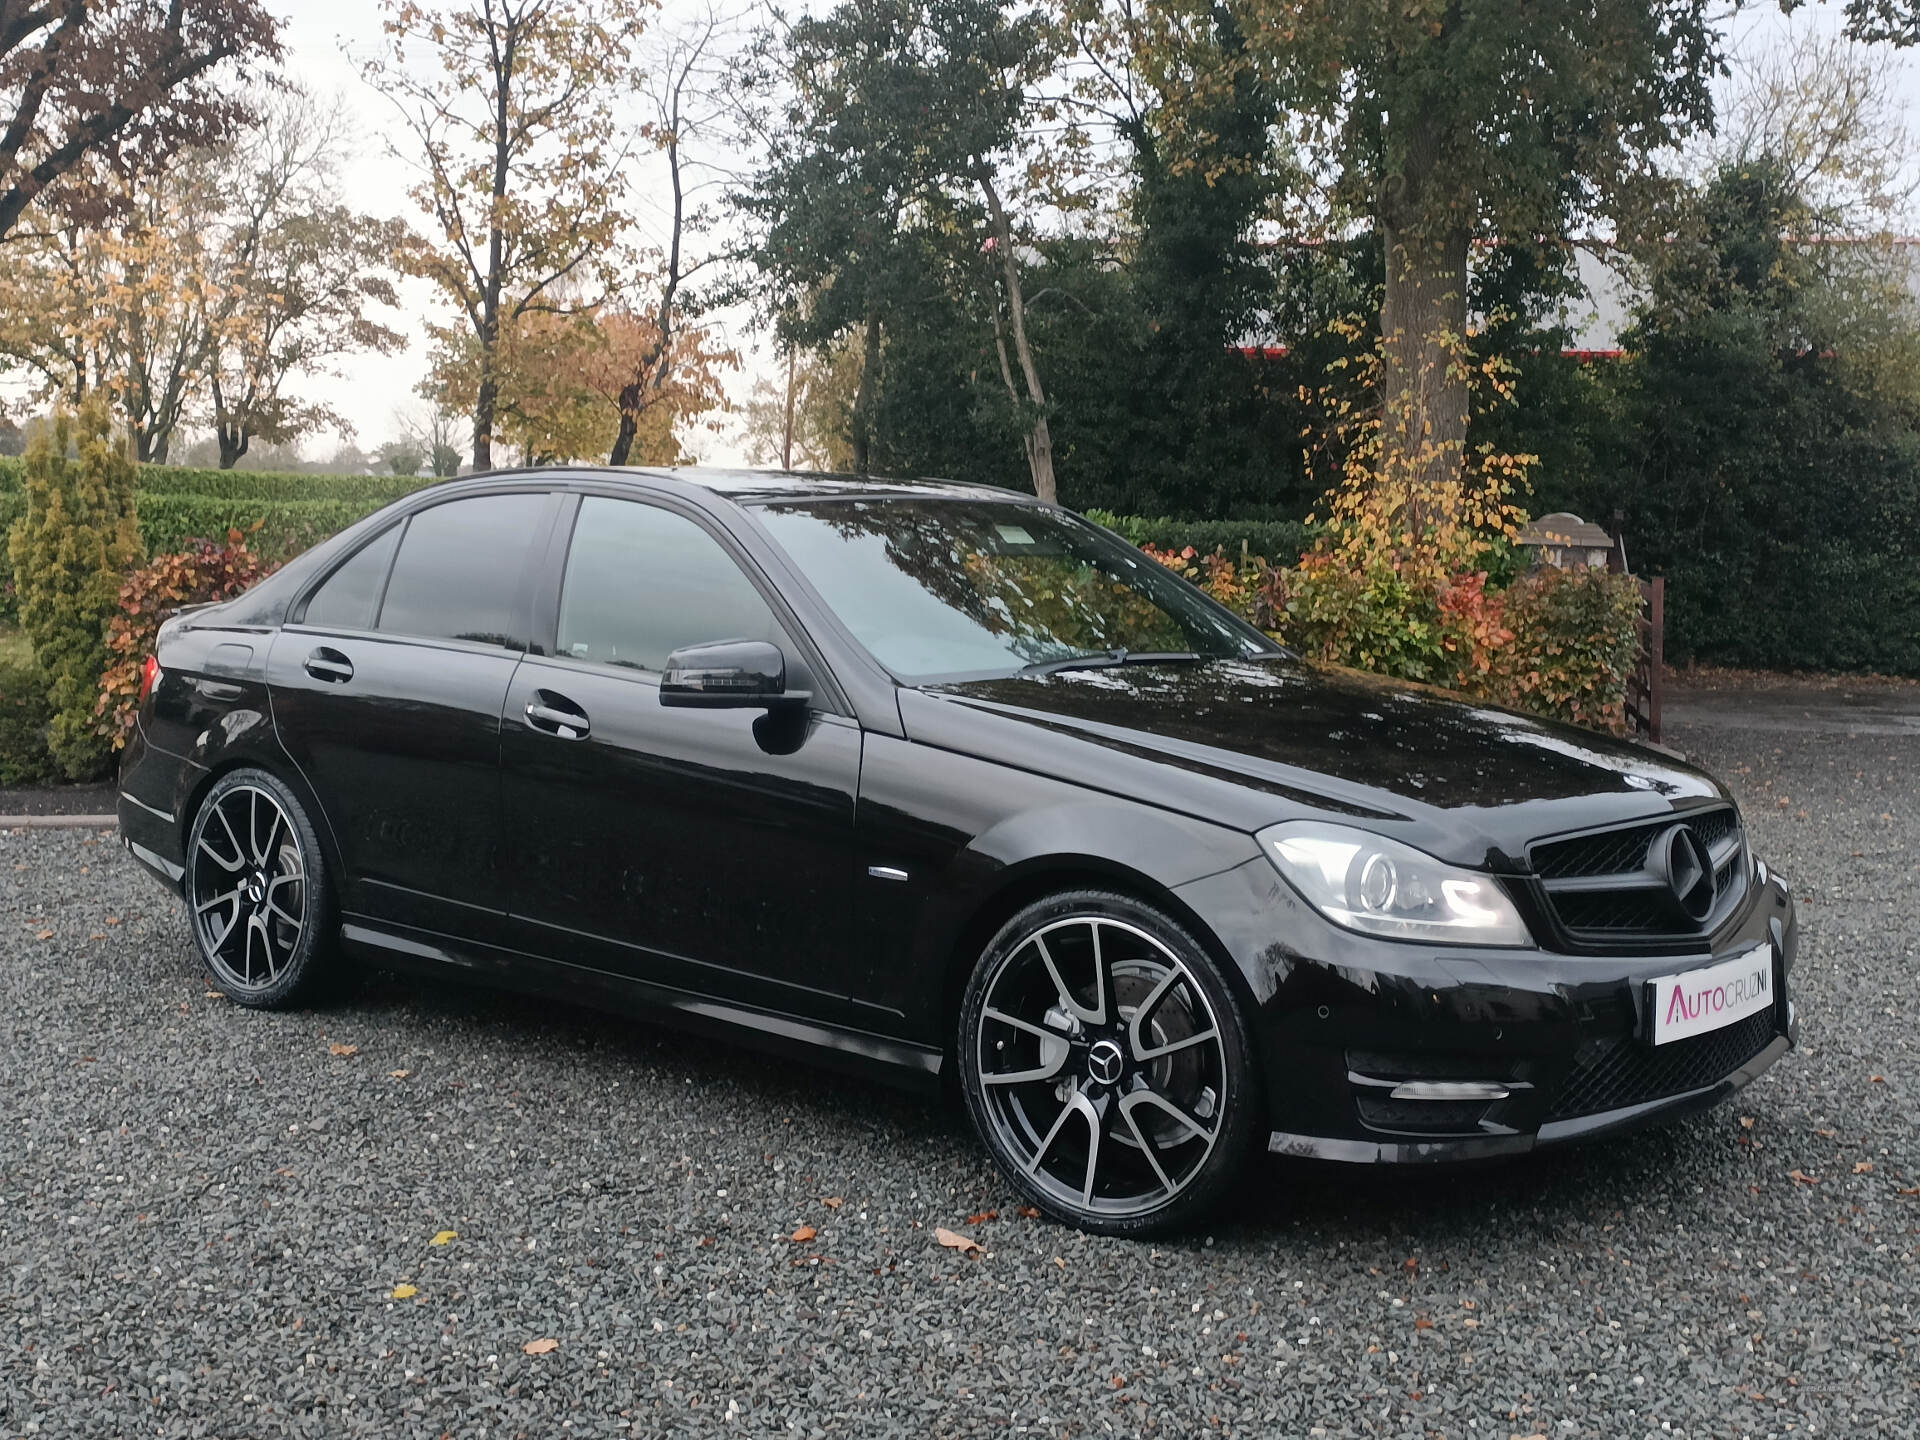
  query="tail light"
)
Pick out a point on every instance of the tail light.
point(149, 677)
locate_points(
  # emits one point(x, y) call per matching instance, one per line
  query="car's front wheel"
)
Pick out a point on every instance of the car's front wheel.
point(258, 896)
point(1106, 1064)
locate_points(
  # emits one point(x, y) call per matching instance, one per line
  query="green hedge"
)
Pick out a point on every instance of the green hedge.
point(168, 522)
point(1279, 542)
point(373, 490)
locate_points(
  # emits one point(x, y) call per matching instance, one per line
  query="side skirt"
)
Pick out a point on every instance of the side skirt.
point(912, 1067)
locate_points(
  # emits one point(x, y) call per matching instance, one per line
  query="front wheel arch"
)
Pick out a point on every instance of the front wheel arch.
point(1021, 885)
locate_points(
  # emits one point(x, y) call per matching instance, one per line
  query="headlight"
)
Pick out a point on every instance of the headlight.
point(1381, 887)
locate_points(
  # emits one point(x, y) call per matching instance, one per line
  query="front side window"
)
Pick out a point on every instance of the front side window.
point(458, 573)
point(642, 582)
point(950, 589)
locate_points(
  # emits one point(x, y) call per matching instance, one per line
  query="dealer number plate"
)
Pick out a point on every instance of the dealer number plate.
point(1701, 1000)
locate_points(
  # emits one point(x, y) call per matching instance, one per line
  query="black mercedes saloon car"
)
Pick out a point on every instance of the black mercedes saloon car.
point(935, 781)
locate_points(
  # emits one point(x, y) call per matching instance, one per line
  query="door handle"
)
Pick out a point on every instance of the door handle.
point(568, 724)
point(329, 665)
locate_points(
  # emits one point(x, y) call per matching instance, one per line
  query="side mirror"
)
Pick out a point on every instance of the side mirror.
point(729, 675)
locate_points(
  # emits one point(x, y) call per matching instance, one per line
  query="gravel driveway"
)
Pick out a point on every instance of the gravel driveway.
point(220, 1223)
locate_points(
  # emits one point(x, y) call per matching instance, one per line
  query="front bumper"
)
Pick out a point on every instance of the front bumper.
point(1342, 1020)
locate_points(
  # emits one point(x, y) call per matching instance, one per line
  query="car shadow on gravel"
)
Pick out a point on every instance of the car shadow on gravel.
point(761, 1077)
point(1536, 1192)
point(1670, 1166)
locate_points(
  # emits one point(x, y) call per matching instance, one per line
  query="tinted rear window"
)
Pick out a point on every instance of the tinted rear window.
point(458, 573)
point(352, 593)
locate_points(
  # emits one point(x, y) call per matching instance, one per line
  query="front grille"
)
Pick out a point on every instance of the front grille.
point(1608, 886)
point(1619, 1071)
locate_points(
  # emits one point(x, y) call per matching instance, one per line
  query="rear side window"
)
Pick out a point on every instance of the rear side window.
point(457, 576)
point(352, 593)
point(642, 582)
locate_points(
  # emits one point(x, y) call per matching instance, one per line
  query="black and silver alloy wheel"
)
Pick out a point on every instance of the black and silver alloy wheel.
point(256, 890)
point(1106, 1065)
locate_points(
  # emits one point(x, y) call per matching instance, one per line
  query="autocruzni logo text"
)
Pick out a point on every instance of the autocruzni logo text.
point(1711, 999)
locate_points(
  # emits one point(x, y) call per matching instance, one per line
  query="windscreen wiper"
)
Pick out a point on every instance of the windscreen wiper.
point(1107, 659)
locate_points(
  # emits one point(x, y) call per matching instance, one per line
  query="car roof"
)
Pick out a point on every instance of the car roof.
point(750, 486)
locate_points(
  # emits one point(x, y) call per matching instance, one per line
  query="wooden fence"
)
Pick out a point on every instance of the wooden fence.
point(1644, 685)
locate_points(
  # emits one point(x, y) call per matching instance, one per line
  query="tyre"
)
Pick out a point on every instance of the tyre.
point(258, 895)
point(1106, 1064)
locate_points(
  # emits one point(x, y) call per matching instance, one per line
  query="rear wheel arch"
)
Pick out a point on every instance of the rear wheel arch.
point(288, 774)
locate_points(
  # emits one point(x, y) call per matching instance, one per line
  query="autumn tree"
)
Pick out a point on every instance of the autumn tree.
point(297, 278)
point(509, 115)
point(127, 82)
point(564, 376)
point(121, 303)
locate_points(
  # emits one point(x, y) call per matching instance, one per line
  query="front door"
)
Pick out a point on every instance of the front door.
point(708, 850)
point(387, 692)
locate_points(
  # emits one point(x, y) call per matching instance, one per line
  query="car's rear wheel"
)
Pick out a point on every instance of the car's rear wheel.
point(258, 896)
point(1106, 1063)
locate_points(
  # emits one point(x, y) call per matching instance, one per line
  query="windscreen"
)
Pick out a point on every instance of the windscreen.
point(953, 589)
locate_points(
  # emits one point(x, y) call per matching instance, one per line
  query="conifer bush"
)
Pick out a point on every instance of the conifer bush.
point(77, 538)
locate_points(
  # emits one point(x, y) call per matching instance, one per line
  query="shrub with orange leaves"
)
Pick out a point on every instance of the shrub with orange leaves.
point(1398, 581)
point(202, 572)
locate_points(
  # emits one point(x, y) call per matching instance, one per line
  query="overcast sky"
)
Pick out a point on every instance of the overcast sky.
point(328, 39)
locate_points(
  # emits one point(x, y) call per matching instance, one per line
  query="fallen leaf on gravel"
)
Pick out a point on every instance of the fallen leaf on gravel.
point(1421, 1322)
point(1862, 1167)
point(44, 935)
point(983, 1217)
point(1411, 1263)
point(444, 1236)
point(405, 1292)
point(803, 1234)
point(216, 994)
point(1826, 1134)
point(1058, 1261)
point(833, 1202)
point(1876, 1080)
point(399, 1074)
point(544, 1346)
point(1028, 1212)
point(1526, 1437)
point(113, 919)
point(1910, 1190)
point(954, 1240)
point(1804, 1178)
point(1746, 1122)
point(97, 935)
point(338, 1049)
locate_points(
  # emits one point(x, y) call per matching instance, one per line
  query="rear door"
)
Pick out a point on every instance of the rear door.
point(387, 690)
point(709, 850)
